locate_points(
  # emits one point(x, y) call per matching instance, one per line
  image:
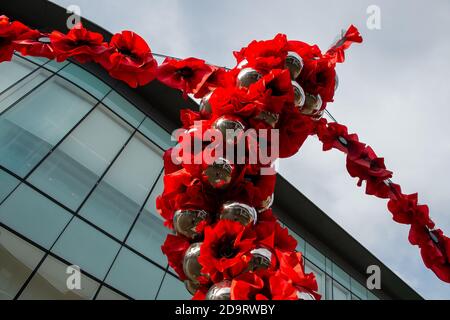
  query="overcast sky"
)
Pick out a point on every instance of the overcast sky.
point(394, 92)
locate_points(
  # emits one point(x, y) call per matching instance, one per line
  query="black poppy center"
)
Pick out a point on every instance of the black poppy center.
point(127, 52)
point(82, 42)
point(186, 72)
point(225, 248)
point(3, 41)
point(276, 91)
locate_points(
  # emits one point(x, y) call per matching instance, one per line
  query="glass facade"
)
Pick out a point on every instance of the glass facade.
point(80, 168)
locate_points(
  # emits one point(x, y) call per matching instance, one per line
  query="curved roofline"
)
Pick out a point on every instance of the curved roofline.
point(163, 105)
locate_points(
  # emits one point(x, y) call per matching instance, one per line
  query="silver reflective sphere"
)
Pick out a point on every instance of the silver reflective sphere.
point(191, 266)
point(261, 259)
point(247, 77)
point(229, 126)
point(294, 63)
point(239, 212)
point(318, 115)
point(299, 94)
point(269, 117)
point(312, 104)
point(242, 64)
point(185, 222)
point(304, 294)
point(205, 107)
point(266, 204)
point(191, 286)
point(220, 173)
point(220, 291)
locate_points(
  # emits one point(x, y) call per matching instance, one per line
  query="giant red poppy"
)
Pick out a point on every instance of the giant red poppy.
point(250, 286)
point(174, 248)
point(406, 210)
point(10, 32)
point(187, 75)
point(36, 44)
point(130, 59)
point(265, 55)
point(225, 251)
point(78, 43)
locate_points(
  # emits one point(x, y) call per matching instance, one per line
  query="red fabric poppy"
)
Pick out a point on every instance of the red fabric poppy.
point(9, 33)
point(406, 210)
point(130, 59)
point(225, 251)
point(272, 235)
point(79, 43)
point(265, 55)
point(363, 163)
point(187, 75)
point(182, 191)
point(294, 130)
point(35, 45)
point(174, 248)
point(336, 53)
point(329, 133)
point(169, 165)
point(248, 286)
point(219, 78)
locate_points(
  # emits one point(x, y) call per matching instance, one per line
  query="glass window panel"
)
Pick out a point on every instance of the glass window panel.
point(173, 289)
point(358, 289)
point(18, 259)
point(329, 266)
point(124, 108)
point(55, 66)
point(50, 283)
point(31, 128)
point(371, 295)
point(315, 256)
point(300, 242)
point(73, 169)
point(328, 288)
point(354, 297)
point(7, 184)
point(157, 134)
point(135, 276)
point(149, 232)
point(84, 246)
point(15, 70)
point(9, 97)
point(34, 216)
point(108, 294)
point(341, 276)
point(117, 200)
point(36, 60)
point(85, 80)
point(340, 293)
point(320, 276)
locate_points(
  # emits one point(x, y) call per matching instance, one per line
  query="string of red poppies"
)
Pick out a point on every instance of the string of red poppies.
point(364, 164)
point(127, 57)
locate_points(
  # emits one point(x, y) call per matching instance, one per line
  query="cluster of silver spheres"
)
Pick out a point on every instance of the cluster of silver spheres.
point(186, 223)
point(220, 174)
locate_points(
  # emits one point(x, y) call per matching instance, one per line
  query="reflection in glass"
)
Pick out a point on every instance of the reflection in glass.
point(157, 134)
point(16, 70)
point(73, 169)
point(34, 216)
point(173, 289)
point(124, 108)
point(135, 276)
point(18, 259)
point(117, 200)
point(50, 283)
point(340, 293)
point(320, 276)
point(149, 232)
point(87, 248)
point(7, 184)
point(86, 80)
point(31, 128)
point(108, 294)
